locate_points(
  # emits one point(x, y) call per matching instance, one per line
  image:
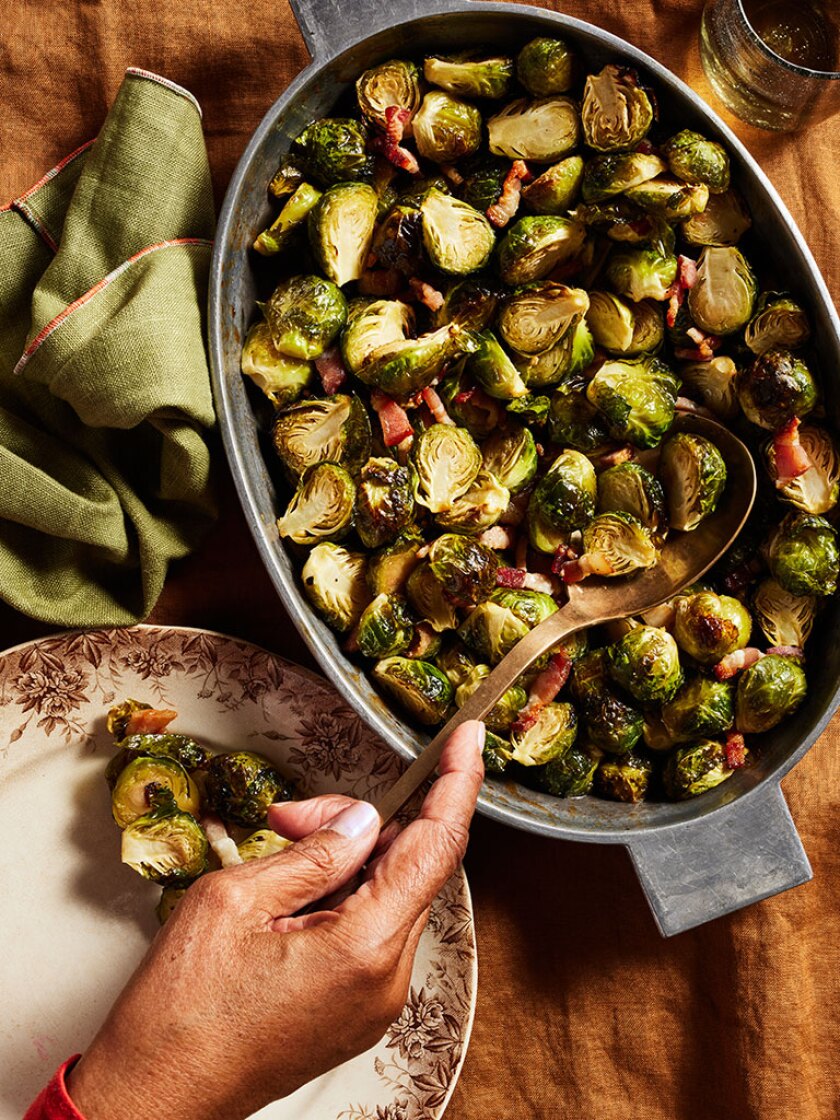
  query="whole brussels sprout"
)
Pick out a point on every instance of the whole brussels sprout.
point(419, 687)
point(636, 397)
point(574, 422)
point(141, 779)
point(549, 737)
point(669, 198)
point(777, 322)
point(565, 495)
point(507, 707)
point(240, 786)
point(491, 631)
point(722, 299)
point(429, 599)
point(802, 555)
point(537, 316)
point(533, 246)
point(385, 627)
point(631, 488)
point(511, 455)
point(531, 607)
point(321, 509)
point(714, 383)
point(545, 66)
point(572, 774)
point(334, 583)
point(621, 327)
point(541, 130)
point(446, 128)
point(165, 845)
point(774, 388)
point(493, 369)
point(334, 429)
point(785, 619)
point(398, 240)
point(694, 159)
point(465, 568)
point(708, 626)
point(280, 377)
point(614, 544)
point(389, 567)
point(703, 707)
point(394, 84)
point(334, 150)
point(568, 357)
point(384, 502)
point(304, 314)
point(696, 769)
point(724, 221)
point(480, 508)
point(644, 273)
point(470, 73)
point(625, 778)
point(557, 189)
point(608, 175)
point(341, 228)
point(274, 239)
point(470, 303)
point(646, 663)
point(616, 112)
point(768, 692)
point(457, 238)
point(611, 722)
point(815, 490)
point(446, 461)
point(373, 325)
point(264, 842)
point(694, 476)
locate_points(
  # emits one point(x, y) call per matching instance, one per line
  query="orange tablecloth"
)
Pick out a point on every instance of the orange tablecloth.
point(584, 1013)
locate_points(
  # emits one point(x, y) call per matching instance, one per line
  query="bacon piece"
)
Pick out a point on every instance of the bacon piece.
point(684, 281)
point(788, 651)
point(625, 454)
point(706, 346)
point(331, 370)
point(436, 407)
point(149, 721)
point(427, 295)
point(537, 581)
point(450, 172)
point(502, 210)
point(510, 577)
point(388, 143)
point(741, 577)
point(497, 537)
point(392, 417)
point(385, 282)
point(587, 565)
point(733, 663)
point(217, 837)
point(735, 749)
point(790, 459)
point(545, 687)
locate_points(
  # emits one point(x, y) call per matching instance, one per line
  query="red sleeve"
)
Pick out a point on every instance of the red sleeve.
point(53, 1102)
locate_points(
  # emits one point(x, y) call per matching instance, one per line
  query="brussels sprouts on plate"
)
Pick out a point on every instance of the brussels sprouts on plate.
point(240, 786)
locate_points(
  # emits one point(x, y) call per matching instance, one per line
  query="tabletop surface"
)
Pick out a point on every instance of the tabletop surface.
point(584, 1012)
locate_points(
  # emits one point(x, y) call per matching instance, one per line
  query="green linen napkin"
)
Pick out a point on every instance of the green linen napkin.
point(105, 401)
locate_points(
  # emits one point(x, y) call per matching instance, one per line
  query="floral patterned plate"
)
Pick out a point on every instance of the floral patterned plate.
point(76, 921)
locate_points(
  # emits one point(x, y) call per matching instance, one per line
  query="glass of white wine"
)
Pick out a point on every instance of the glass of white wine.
point(774, 63)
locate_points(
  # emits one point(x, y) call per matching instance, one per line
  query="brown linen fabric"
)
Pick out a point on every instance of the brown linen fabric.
point(584, 1012)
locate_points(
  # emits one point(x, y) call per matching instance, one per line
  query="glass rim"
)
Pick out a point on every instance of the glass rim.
point(805, 71)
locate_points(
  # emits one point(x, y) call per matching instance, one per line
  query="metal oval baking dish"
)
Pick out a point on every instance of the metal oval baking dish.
point(696, 859)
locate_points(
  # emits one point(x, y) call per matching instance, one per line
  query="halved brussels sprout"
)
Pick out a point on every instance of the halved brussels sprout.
point(572, 774)
point(456, 237)
point(565, 495)
point(615, 544)
point(609, 175)
point(785, 619)
point(293, 214)
point(549, 737)
point(456, 661)
point(534, 246)
point(694, 159)
point(611, 723)
point(336, 429)
point(714, 382)
point(304, 314)
point(557, 189)
point(645, 273)
point(622, 327)
point(618, 220)
point(631, 488)
point(465, 568)
point(169, 899)
point(371, 326)
point(531, 607)
point(241, 785)
point(724, 221)
point(778, 322)
point(429, 600)
point(708, 626)
point(470, 303)
point(491, 631)
point(669, 198)
point(480, 508)
point(167, 846)
point(537, 316)
point(446, 460)
point(802, 555)
point(542, 130)
point(496, 754)
point(637, 398)
point(446, 128)
point(616, 112)
point(392, 84)
point(181, 748)
point(722, 298)
point(334, 583)
point(384, 501)
point(506, 708)
point(625, 778)
point(280, 377)
point(646, 663)
point(263, 842)
point(693, 770)
point(545, 537)
point(768, 692)
point(142, 778)
point(341, 230)
point(389, 567)
point(774, 388)
point(408, 365)
point(816, 489)
point(470, 73)
point(574, 422)
point(545, 66)
point(321, 509)
point(494, 370)
point(286, 179)
point(420, 688)
point(693, 472)
point(511, 455)
point(702, 707)
point(572, 354)
point(398, 240)
point(334, 150)
point(385, 627)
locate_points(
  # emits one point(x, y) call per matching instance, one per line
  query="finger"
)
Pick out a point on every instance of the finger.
point(296, 819)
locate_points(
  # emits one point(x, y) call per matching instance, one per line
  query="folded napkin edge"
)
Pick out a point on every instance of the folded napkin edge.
point(150, 76)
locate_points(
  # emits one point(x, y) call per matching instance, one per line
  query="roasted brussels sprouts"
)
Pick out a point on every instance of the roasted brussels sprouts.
point(815, 490)
point(768, 692)
point(609, 175)
point(263, 842)
point(724, 221)
point(394, 84)
point(457, 238)
point(621, 327)
point(405, 367)
point(572, 774)
point(334, 429)
point(785, 619)
point(536, 317)
point(631, 488)
point(334, 583)
point(429, 600)
point(574, 422)
point(389, 567)
point(615, 544)
point(708, 626)
point(241, 785)
point(321, 508)
point(541, 130)
point(420, 688)
point(549, 737)
point(694, 159)
point(714, 383)
point(532, 409)
point(398, 240)
point(470, 303)
point(468, 405)
point(373, 325)
point(646, 663)
point(496, 753)
point(693, 473)
point(545, 66)
point(568, 357)
point(280, 377)
point(465, 568)
point(777, 322)
point(142, 779)
point(669, 198)
point(611, 722)
point(644, 273)
point(494, 370)
point(341, 230)
point(385, 627)
point(165, 845)
point(616, 112)
point(446, 461)
point(480, 508)
point(565, 495)
point(456, 661)
point(334, 150)
point(534, 246)
point(470, 73)
point(304, 314)
point(293, 214)
point(695, 769)
point(169, 899)
point(446, 128)
point(491, 631)
point(484, 178)
point(511, 455)
point(286, 179)
point(181, 748)
point(703, 707)
point(774, 388)
point(384, 501)
point(557, 189)
point(531, 607)
point(722, 299)
point(507, 707)
point(636, 397)
point(802, 555)
point(625, 778)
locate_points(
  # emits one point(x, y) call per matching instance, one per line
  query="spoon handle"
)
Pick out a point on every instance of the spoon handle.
point(550, 633)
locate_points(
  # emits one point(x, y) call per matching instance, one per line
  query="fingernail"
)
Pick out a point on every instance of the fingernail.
point(354, 821)
point(480, 736)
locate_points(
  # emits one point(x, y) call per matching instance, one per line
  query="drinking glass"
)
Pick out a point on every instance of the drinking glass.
point(774, 63)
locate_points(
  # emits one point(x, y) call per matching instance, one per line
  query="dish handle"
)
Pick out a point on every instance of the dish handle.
point(719, 863)
point(328, 26)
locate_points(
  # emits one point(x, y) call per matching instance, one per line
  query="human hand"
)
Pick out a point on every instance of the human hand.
point(240, 1000)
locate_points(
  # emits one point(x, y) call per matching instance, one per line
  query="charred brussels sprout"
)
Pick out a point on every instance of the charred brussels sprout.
point(321, 508)
point(611, 722)
point(645, 273)
point(373, 325)
point(724, 221)
point(491, 631)
point(542, 130)
point(768, 692)
point(333, 150)
point(636, 397)
point(702, 707)
point(456, 237)
point(494, 370)
point(280, 377)
point(446, 461)
point(334, 583)
point(778, 322)
point(389, 567)
point(534, 246)
point(484, 177)
point(465, 569)
point(165, 845)
point(631, 488)
point(180, 748)
point(142, 779)
point(625, 778)
point(398, 240)
point(336, 429)
point(445, 128)
point(511, 455)
point(616, 112)
point(669, 198)
point(622, 327)
point(774, 388)
point(549, 737)
point(815, 490)
point(480, 508)
point(385, 628)
point(291, 217)
point(694, 159)
point(545, 66)
point(565, 495)
point(469, 303)
point(557, 189)
point(241, 785)
point(304, 314)
point(341, 230)
point(536, 317)
point(574, 422)
point(394, 84)
point(694, 475)
point(572, 774)
point(609, 175)
point(714, 383)
point(418, 687)
point(384, 501)
point(615, 544)
point(507, 707)
point(263, 842)
point(696, 769)
point(286, 179)
point(646, 663)
point(708, 626)
point(429, 600)
point(802, 554)
point(721, 301)
point(532, 409)
point(470, 73)
point(785, 619)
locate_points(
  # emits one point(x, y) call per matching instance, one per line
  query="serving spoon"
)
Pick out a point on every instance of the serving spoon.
point(683, 560)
